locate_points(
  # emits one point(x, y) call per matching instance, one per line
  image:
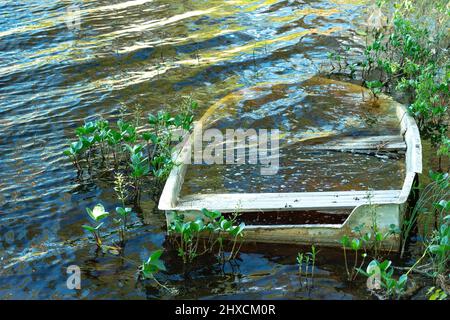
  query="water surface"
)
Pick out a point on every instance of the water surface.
point(141, 53)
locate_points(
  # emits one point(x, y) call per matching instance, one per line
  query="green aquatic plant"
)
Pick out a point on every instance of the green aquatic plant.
point(95, 231)
point(436, 294)
point(189, 237)
point(236, 233)
point(113, 139)
point(152, 265)
point(444, 149)
point(143, 154)
point(438, 249)
point(127, 131)
point(313, 255)
point(120, 186)
point(408, 55)
point(303, 260)
point(370, 239)
point(213, 228)
point(97, 214)
point(431, 207)
point(139, 167)
point(161, 137)
point(373, 241)
point(185, 118)
point(74, 152)
point(85, 130)
point(100, 214)
point(218, 226)
point(123, 212)
point(161, 166)
point(207, 232)
point(381, 278)
point(150, 139)
point(88, 138)
point(375, 87)
point(355, 245)
point(300, 260)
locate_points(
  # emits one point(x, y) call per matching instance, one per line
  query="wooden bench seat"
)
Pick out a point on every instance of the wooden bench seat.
point(376, 143)
point(252, 202)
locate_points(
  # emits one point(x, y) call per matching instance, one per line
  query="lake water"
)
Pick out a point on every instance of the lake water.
point(62, 64)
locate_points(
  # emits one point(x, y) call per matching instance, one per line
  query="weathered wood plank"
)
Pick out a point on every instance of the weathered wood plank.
point(285, 201)
point(414, 150)
point(407, 186)
point(409, 129)
point(169, 195)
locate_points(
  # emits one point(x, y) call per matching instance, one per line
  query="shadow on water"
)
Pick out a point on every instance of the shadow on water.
point(147, 53)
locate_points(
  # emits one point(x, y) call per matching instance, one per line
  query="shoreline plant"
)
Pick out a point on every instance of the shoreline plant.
point(406, 53)
point(142, 154)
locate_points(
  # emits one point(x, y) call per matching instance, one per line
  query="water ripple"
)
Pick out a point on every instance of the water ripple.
point(135, 52)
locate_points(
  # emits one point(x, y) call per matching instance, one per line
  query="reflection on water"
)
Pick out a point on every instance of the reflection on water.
point(147, 53)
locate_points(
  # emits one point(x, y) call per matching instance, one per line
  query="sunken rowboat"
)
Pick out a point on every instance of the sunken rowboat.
point(317, 216)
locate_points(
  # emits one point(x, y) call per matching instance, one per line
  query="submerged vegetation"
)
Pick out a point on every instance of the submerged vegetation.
point(381, 279)
point(142, 154)
point(139, 157)
point(303, 261)
point(206, 235)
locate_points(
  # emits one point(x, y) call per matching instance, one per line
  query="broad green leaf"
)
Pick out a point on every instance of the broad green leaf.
point(152, 119)
point(98, 213)
point(378, 236)
point(197, 225)
point(356, 244)
point(156, 255)
point(373, 267)
point(345, 241)
point(76, 146)
point(225, 224)
point(154, 264)
point(385, 265)
point(237, 230)
point(88, 228)
point(211, 214)
point(402, 280)
point(123, 211)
